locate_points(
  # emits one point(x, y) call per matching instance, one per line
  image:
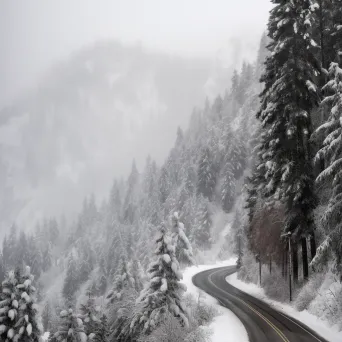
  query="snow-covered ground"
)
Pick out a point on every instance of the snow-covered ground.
point(226, 327)
point(321, 327)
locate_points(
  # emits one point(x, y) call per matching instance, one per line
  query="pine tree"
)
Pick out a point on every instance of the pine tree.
point(253, 192)
point(201, 234)
point(71, 281)
point(123, 280)
point(47, 317)
point(206, 175)
point(9, 305)
point(331, 154)
point(34, 257)
point(164, 184)
point(235, 83)
point(130, 205)
point(87, 261)
point(11, 250)
point(114, 205)
point(89, 314)
point(136, 272)
point(28, 326)
point(53, 231)
point(101, 330)
point(163, 293)
point(228, 187)
point(71, 328)
point(46, 258)
point(289, 96)
point(2, 270)
point(180, 240)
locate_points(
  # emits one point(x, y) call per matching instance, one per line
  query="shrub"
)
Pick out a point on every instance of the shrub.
point(309, 291)
point(201, 313)
point(275, 286)
point(249, 270)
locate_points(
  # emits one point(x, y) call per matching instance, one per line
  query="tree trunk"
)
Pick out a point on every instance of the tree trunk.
point(270, 265)
point(313, 246)
point(260, 271)
point(286, 262)
point(321, 31)
point(295, 262)
point(305, 259)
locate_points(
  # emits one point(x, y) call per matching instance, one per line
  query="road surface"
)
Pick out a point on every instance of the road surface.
point(262, 322)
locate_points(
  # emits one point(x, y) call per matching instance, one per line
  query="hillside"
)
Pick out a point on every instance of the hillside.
point(85, 121)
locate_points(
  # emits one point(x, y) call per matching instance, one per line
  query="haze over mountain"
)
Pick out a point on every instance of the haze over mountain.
point(90, 116)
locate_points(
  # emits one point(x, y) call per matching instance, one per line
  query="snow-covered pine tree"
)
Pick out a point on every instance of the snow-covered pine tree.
point(34, 257)
point(71, 328)
point(235, 84)
point(101, 330)
point(46, 257)
point(326, 15)
point(228, 186)
point(28, 327)
point(114, 205)
point(201, 236)
point(10, 249)
point(9, 305)
point(188, 215)
point(2, 271)
point(47, 316)
point(331, 154)
point(180, 240)
point(289, 96)
point(237, 154)
point(53, 232)
point(206, 175)
point(86, 261)
point(123, 280)
point(70, 282)
point(130, 203)
point(137, 273)
point(164, 184)
point(163, 293)
point(89, 313)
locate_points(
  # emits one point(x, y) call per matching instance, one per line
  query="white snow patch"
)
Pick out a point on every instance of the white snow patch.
point(46, 336)
point(236, 331)
point(331, 333)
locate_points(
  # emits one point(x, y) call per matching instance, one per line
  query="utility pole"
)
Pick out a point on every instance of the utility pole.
point(288, 236)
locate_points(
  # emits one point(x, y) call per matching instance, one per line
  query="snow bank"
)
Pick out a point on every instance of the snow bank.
point(331, 333)
point(226, 327)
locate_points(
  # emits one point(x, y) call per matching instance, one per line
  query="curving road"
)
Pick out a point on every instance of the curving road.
point(262, 322)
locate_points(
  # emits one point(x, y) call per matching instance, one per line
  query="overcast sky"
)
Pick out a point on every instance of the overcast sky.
point(36, 33)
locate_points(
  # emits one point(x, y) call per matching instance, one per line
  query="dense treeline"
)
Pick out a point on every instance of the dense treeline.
point(297, 172)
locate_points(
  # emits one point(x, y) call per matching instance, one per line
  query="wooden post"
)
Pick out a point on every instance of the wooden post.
point(290, 269)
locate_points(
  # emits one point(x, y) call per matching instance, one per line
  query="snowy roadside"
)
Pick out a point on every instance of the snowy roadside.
point(226, 327)
point(327, 331)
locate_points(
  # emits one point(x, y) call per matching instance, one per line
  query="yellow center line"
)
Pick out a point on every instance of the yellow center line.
point(276, 329)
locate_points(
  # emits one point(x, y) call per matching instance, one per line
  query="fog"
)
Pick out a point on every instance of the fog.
point(86, 86)
point(35, 34)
